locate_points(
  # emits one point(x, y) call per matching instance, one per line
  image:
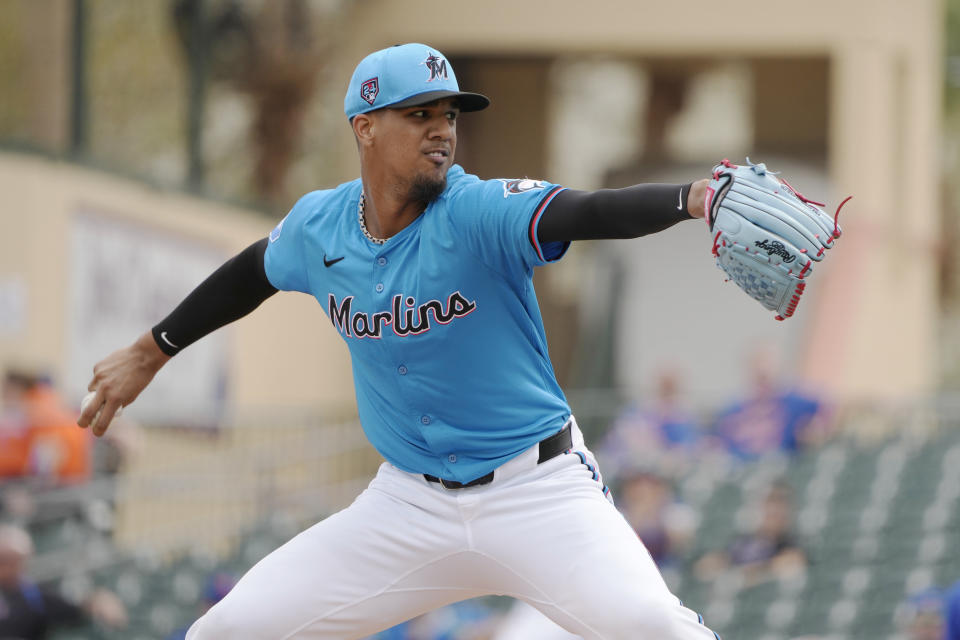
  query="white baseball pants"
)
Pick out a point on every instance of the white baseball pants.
point(543, 533)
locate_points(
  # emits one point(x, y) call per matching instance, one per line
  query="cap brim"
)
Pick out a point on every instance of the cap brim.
point(467, 101)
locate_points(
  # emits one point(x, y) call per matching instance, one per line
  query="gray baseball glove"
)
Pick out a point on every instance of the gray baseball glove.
point(766, 235)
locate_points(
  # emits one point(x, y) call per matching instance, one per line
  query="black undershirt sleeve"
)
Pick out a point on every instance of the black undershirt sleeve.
point(229, 293)
point(613, 213)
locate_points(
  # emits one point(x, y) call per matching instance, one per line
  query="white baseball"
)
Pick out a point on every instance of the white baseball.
point(87, 399)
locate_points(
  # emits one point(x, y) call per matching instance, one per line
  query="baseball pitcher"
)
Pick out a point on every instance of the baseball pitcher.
point(426, 273)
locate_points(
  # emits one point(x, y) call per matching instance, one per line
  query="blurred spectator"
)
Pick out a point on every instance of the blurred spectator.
point(951, 613)
point(39, 435)
point(663, 433)
point(665, 525)
point(28, 612)
point(770, 551)
point(923, 615)
point(218, 586)
point(14, 426)
point(771, 418)
point(59, 451)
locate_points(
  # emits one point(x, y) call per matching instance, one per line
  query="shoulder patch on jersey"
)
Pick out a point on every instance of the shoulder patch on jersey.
point(520, 185)
point(276, 230)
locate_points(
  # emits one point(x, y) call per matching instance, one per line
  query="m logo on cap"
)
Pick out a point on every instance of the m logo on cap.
point(437, 67)
point(369, 90)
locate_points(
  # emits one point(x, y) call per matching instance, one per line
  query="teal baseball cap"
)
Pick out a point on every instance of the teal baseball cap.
point(405, 75)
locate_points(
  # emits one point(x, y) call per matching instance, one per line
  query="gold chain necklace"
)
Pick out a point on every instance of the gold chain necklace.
point(363, 225)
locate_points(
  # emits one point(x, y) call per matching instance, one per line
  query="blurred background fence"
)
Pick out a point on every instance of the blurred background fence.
point(877, 515)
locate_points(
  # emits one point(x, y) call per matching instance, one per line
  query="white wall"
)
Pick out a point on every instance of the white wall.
point(284, 356)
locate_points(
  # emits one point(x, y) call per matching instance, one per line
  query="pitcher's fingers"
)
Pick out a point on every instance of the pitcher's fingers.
point(89, 411)
point(106, 415)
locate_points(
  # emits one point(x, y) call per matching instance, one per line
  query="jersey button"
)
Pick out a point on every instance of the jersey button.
point(402, 370)
point(425, 419)
point(379, 287)
point(381, 261)
point(452, 457)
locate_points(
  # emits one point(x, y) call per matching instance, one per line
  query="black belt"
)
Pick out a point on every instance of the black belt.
point(550, 447)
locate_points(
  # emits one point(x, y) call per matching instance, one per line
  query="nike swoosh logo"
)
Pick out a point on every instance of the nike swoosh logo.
point(330, 263)
point(680, 200)
point(163, 336)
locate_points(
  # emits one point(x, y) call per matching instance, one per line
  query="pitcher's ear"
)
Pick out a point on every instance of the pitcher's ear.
point(363, 127)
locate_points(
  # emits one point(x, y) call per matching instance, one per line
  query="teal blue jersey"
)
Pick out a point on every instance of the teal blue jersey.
point(450, 360)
